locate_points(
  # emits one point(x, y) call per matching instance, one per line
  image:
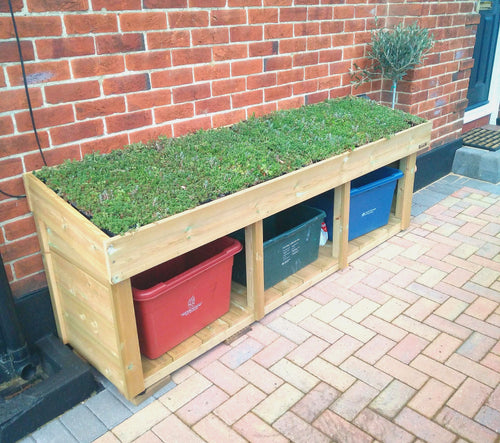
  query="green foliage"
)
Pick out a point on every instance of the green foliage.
point(144, 183)
point(393, 52)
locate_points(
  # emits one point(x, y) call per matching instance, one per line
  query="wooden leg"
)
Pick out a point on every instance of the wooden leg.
point(254, 255)
point(341, 224)
point(405, 190)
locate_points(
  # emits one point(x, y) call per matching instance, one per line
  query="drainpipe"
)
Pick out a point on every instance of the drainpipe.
point(15, 357)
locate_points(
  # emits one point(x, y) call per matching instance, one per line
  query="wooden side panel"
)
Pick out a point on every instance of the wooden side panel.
point(68, 232)
point(92, 321)
point(155, 243)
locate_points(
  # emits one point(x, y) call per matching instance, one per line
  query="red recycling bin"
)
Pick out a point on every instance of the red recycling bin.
point(176, 299)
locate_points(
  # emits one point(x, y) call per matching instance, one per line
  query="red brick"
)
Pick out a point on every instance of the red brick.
point(292, 45)
point(125, 84)
point(174, 112)
point(245, 33)
point(228, 86)
point(45, 117)
point(290, 76)
point(211, 105)
point(90, 23)
point(210, 36)
point(148, 134)
point(291, 103)
point(142, 21)
point(65, 47)
point(192, 125)
point(19, 248)
point(20, 144)
point(9, 51)
point(211, 72)
point(261, 49)
point(6, 125)
point(130, 120)
point(39, 72)
point(316, 71)
point(353, 52)
point(13, 187)
point(11, 167)
point(261, 80)
point(2, 79)
point(97, 66)
point(354, 25)
point(191, 93)
point(247, 98)
point(119, 43)
point(236, 3)
point(143, 61)
point(293, 14)
point(228, 118)
point(105, 144)
point(305, 58)
point(99, 108)
point(26, 285)
point(302, 29)
point(226, 17)
point(187, 19)
point(332, 27)
point(116, 5)
point(264, 109)
point(148, 100)
point(246, 67)
point(51, 5)
point(27, 266)
point(153, 4)
point(342, 40)
point(343, 12)
point(229, 52)
point(76, 132)
point(207, 3)
point(305, 87)
point(191, 56)
point(320, 13)
point(168, 39)
point(277, 93)
point(20, 228)
point(278, 31)
point(277, 63)
point(13, 99)
point(172, 77)
point(71, 92)
point(319, 42)
point(265, 16)
point(17, 6)
point(10, 209)
point(330, 55)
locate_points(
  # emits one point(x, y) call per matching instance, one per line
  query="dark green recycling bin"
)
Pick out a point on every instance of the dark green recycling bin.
point(291, 241)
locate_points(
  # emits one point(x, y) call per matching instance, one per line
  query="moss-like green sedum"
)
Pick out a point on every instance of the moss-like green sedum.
point(143, 183)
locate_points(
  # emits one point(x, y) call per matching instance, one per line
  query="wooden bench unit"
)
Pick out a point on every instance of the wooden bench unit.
point(89, 272)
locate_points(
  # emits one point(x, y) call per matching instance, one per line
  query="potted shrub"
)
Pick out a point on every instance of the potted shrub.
point(392, 53)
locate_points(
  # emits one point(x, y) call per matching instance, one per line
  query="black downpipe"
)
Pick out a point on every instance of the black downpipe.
point(15, 358)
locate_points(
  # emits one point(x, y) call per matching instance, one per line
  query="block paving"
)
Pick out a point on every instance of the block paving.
point(402, 346)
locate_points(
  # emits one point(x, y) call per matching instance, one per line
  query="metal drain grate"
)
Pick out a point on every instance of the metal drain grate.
point(482, 138)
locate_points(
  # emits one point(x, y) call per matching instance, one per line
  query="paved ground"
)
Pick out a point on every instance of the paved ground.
point(402, 346)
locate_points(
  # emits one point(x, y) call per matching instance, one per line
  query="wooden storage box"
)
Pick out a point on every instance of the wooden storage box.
point(89, 272)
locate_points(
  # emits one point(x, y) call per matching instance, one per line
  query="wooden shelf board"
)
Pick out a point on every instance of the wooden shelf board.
point(216, 332)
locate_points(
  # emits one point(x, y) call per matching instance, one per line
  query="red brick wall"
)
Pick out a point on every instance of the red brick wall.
point(103, 74)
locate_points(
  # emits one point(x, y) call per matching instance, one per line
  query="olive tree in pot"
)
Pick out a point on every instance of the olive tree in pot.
point(392, 53)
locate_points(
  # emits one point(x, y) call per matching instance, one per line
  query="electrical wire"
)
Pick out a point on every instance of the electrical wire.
point(25, 81)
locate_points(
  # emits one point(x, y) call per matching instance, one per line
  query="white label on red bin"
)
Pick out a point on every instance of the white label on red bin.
point(192, 306)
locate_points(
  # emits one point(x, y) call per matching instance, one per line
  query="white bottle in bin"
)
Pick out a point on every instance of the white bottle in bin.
point(323, 238)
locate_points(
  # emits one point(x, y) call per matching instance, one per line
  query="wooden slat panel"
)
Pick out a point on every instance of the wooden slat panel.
point(404, 191)
point(341, 223)
point(150, 245)
point(77, 284)
point(68, 232)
